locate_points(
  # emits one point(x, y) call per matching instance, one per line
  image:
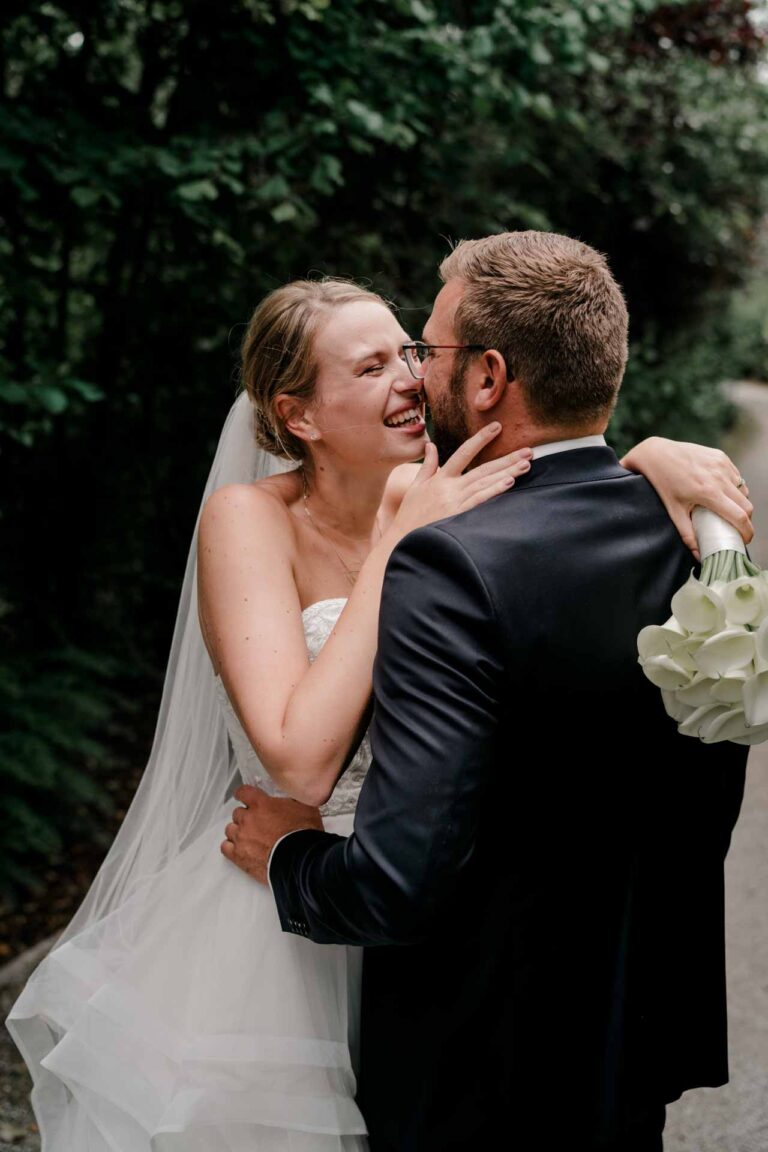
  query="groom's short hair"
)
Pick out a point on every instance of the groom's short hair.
point(551, 307)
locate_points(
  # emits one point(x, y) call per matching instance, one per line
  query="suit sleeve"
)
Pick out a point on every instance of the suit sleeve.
point(436, 688)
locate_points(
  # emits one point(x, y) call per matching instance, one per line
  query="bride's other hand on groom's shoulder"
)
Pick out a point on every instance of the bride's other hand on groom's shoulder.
point(686, 475)
point(258, 824)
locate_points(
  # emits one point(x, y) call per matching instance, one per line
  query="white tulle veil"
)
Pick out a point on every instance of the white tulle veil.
point(190, 772)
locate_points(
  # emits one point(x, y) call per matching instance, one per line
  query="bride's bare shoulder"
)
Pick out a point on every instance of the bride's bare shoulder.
point(241, 508)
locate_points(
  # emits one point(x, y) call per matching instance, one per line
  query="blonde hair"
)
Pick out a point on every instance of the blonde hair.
point(277, 353)
point(551, 307)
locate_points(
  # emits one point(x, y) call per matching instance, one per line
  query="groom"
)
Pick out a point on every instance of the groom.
point(536, 870)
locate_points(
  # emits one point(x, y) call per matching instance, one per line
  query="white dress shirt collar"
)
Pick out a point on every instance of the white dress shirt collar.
point(566, 445)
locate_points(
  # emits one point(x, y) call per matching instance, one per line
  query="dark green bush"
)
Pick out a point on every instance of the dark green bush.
point(671, 388)
point(55, 710)
point(746, 329)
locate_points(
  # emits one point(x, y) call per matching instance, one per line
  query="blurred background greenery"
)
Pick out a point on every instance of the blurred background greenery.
point(166, 163)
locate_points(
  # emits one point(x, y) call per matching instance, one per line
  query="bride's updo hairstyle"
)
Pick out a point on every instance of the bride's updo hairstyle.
point(278, 353)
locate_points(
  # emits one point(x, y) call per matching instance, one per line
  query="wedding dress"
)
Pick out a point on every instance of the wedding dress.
point(187, 1020)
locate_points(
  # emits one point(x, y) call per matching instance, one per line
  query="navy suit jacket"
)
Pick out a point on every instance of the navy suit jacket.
point(536, 869)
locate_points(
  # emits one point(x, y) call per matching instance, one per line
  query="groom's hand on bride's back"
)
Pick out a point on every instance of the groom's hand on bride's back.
point(258, 824)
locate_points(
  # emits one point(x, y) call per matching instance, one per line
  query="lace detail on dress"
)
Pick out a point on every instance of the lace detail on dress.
point(319, 620)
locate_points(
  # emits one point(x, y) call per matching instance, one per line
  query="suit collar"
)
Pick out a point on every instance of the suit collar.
point(572, 467)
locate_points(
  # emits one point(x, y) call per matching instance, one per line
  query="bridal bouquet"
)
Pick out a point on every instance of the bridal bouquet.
point(710, 659)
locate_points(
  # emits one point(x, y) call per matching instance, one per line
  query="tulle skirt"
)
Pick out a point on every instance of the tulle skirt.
point(190, 1022)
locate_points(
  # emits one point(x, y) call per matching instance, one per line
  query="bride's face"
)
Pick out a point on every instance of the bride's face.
point(367, 409)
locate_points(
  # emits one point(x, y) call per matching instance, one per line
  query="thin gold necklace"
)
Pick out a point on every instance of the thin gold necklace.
point(350, 573)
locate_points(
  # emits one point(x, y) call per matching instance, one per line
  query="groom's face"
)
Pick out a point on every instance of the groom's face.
point(445, 381)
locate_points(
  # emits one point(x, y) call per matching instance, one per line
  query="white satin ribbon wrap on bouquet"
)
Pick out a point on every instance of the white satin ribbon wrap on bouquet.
point(710, 659)
point(713, 534)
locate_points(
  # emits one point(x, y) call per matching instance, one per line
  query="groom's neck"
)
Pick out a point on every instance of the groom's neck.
point(527, 434)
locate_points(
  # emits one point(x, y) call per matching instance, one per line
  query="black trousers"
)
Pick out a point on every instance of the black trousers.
point(644, 1134)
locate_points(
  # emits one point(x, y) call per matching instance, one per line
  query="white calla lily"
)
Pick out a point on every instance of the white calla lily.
point(698, 691)
point(756, 700)
point(761, 643)
point(698, 608)
point(753, 736)
point(702, 717)
point(728, 689)
point(657, 639)
point(674, 708)
point(683, 652)
point(726, 651)
point(665, 673)
point(745, 600)
point(729, 725)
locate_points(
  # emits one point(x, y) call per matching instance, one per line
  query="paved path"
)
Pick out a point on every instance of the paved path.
point(17, 1124)
point(735, 1118)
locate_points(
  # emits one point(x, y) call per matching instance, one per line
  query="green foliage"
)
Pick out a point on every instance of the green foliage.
point(54, 709)
point(27, 411)
point(668, 388)
point(746, 329)
point(197, 161)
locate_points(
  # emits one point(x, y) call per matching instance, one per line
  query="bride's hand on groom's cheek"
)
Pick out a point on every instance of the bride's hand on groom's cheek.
point(258, 824)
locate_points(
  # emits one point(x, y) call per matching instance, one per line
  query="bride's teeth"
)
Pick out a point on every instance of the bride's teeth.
point(403, 418)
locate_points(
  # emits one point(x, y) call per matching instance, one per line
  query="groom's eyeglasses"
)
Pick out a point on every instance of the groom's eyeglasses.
point(418, 353)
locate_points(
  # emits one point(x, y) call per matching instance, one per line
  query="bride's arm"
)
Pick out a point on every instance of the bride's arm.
point(685, 475)
point(302, 718)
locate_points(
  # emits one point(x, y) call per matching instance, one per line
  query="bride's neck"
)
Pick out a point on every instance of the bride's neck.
point(347, 500)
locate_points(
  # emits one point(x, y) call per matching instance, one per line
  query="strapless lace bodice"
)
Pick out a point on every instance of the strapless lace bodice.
point(319, 620)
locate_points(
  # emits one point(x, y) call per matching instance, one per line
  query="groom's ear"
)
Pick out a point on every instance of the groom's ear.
point(491, 383)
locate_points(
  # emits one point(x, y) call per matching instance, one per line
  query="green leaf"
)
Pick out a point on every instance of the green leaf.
point(540, 54)
point(233, 184)
point(13, 393)
point(85, 389)
point(198, 190)
point(422, 12)
point(85, 197)
point(541, 104)
point(276, 188)
point(323, 94)
point(222, 240)
point(52, 399)
point(369, 117)
point(285, 212)
point(168, 164)
point(327, 174)
point(598, 62)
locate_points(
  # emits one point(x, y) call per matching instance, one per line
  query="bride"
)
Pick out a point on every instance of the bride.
point(174, 1013)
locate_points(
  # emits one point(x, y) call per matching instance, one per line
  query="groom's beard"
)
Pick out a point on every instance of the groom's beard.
point(449, 419)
